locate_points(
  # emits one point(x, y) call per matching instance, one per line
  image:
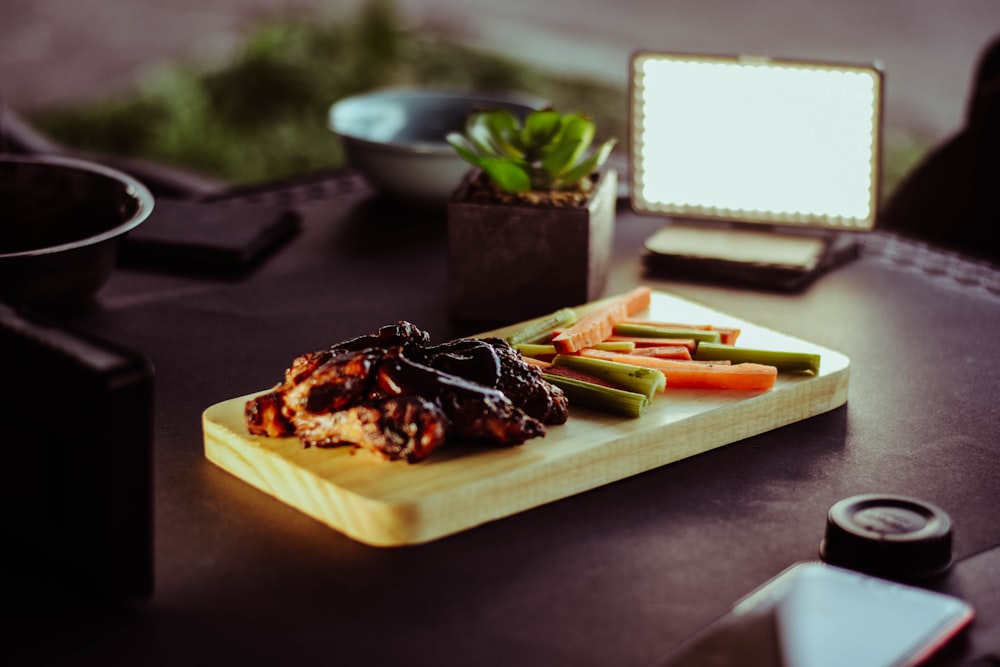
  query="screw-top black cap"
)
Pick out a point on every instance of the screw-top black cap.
point(895, 537)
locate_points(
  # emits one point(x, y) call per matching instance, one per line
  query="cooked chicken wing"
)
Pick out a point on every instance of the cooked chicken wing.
point(400, 427)
point(394, 393)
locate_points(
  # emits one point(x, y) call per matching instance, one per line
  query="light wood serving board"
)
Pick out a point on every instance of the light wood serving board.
point(462, 485)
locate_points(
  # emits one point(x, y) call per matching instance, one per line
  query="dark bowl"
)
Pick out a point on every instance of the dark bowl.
point(61, 222)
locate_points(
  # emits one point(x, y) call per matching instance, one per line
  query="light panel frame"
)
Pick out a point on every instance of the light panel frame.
point(690, 127)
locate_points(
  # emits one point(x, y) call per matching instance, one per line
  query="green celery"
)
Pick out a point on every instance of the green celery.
point(594, 396)
point(653, 331)
point(536, 350)
point(539, 350)
point(645, 381)
point(783, 360)
point(540, 330)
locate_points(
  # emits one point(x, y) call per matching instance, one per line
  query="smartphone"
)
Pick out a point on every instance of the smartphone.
point(818, 615)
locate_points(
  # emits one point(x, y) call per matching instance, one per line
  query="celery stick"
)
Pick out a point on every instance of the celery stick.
point(544, 349)
point(646, 381)
point(594, 396)
point(536, 349)
point(540, 330)
point(653, 331)
point(784, 361)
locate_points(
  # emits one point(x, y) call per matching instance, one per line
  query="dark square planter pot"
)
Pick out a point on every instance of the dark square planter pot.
point(511, 262)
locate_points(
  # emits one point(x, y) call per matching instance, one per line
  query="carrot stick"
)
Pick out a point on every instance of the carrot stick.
point(718, 362)
point(598, 324)
point(686, 375)
point(664, 352)
point(541, 363)
point(728, 335)
point(642, 341)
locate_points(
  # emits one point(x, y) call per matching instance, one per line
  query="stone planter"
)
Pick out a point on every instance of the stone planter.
point(509, 262)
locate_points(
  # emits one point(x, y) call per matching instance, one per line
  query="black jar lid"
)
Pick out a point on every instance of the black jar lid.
point(895, 537)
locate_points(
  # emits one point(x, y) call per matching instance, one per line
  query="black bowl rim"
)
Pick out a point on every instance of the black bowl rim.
point(441, 148)
point(142, 195)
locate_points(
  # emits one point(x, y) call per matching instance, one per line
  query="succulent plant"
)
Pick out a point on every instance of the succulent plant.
point(548, 152)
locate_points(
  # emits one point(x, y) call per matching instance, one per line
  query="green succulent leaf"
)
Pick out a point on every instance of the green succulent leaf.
point(507, 175)
point(505, 131)
point(586, 167)
point(573, 140)
point(465, 148)
point(548, 152)
point(540, 127)
point(479, 132)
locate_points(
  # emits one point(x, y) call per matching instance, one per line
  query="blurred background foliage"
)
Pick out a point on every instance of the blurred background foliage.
point(262, 114)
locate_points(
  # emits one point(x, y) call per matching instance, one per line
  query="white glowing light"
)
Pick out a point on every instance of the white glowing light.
point(758, 141)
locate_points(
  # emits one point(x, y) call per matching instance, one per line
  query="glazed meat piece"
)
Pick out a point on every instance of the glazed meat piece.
point(476, 412)
point(488, 416)
point(523, 384)
point(265, 415)
point(494, 363)
point(395, 394)
point(401, 427)
point(468, 358)
point(316, 383)
point(343, 379)
point(304, 364)
point(401, 334)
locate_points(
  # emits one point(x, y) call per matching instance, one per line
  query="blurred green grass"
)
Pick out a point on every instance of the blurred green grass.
point(262, 115)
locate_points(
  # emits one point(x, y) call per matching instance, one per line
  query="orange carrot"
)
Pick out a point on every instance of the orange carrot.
point(641, 341)
point(686, 375)
point(598, 324)
point(664, 352)
point(541, 363)
point(728, 335)
point(716, 362)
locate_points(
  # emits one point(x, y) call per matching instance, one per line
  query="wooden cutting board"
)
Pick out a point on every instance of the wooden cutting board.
point(462, 485)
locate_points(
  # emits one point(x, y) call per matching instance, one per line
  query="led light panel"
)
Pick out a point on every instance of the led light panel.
point(756, 140)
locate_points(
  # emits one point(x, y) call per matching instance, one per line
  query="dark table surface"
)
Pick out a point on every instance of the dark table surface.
point(614, 576)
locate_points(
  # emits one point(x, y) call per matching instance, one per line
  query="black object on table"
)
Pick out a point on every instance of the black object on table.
point(201, 236)
point(77, 500)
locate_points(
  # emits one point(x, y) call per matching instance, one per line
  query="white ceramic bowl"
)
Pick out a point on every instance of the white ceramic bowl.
point(396, 138)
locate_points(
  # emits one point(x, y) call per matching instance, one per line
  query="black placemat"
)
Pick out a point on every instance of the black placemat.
point(208, 236)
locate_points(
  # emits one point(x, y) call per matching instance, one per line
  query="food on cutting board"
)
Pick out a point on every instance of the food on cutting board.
point(599, 323)
point(682, 374)
point(394, 393)
point(589, 357)
point(783, 360)
point(399, 396)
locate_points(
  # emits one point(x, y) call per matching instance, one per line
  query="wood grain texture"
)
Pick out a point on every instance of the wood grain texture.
point(463, 485)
